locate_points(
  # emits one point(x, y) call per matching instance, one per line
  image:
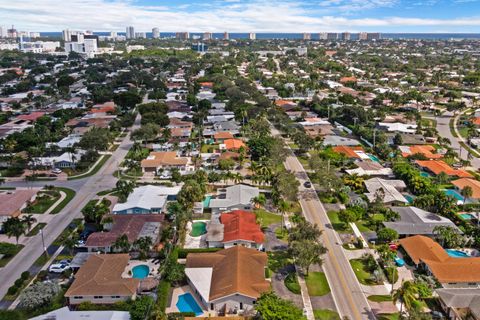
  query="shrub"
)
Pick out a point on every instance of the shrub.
point(19, 282)
point(42, 275)
point(182, 253)
point(162, 294)
point(25, 275)
point(12, 290)
point(37, 295)
point(7, 249)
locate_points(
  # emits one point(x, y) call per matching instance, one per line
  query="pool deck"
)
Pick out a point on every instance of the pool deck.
point(182, 290)
point(195, 242)
point(133, 263)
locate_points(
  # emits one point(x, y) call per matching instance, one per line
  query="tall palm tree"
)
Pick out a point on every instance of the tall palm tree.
point(70, 243)
point(29, 220)
point(283, 206)
point(14, 227)
point(406, 294)
point(466, 192)
point(122, 244)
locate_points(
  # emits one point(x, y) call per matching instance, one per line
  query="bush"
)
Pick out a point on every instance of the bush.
point(12, 315)
point(162, 294)
point(37, 295)
point(12, 290)
point(8, 249)
point(180, 315)
point(19, 282)
point(182, 253)
point(42, 275)
point(25, 275)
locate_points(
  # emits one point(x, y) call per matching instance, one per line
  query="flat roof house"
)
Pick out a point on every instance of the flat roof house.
point(415, 221)
point(147, 200)
point(238, 227)
point(237, 197)
point(450, 272)
point(228, 281)
point(100, 281)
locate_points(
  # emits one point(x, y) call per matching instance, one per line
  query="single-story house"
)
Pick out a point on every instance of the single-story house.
point(370, 168)
point(167, 160)
point(389, 188)
point(460, 304)
point(468, 182)
point(14, 201)
point(438, 166)
point(133, 226)
point(65, 160)
point(232, 144)
point(427, 151)
point(237, 197)
point(355, 152)
point(334, 140)
point(398, 127)
point(66, 313)
point(100, 281)
point(238, 227)
point(450, 272)
point(415, 221)
point(228, 281)
point(147, 200)
point(220, 137)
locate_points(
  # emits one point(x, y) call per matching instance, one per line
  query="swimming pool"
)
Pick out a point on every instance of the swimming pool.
point(453, 193)
point(140, 271)
point(466, 216)
point(206, 201)
point(457, 254)
point(409, 198)
point(186, 303)
point(424, 174)
point(373, 158)
point(198, 228)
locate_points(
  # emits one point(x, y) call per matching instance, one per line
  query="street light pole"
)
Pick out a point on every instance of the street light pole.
point(43, 243)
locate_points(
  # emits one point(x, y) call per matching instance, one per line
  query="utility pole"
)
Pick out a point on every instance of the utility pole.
point(374, 137)
point(43, 243)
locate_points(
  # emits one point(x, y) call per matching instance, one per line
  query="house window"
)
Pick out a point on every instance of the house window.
point(115, 297)
point(212, 306)
point(241, 305)
point(78, 297)
point(97, 297)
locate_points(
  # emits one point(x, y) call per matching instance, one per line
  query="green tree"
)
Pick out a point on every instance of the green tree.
point(143, 244)
point(387, 235)
point(122, 244)
point(28, 220)
point(307, 252)
point(447, 236)
point(14, 227)
point(467, 192)
point(127, 100)
point(272, 307)
point(406, 294)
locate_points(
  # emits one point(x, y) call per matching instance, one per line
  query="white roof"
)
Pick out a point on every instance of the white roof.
point(236, 195)
point(399, 127)
point(201, 279)
point(147, 197)
point(390, 188)
point(65, 313)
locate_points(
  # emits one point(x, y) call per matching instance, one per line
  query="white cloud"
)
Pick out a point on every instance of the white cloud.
point(229, 15)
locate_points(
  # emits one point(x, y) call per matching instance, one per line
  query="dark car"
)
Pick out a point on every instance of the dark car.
point(307, 184)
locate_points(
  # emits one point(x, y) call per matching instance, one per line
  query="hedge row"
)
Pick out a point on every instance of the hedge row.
point(182, 253)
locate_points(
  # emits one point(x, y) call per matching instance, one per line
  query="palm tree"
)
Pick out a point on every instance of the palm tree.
point(143, 244)
point(406, 294)
point(122, 244)
point(354, 181)
point(237, 177)
point(466, 192)
point(283, 206)
point(70, 243)
point(29, 220)
point(260, 200)
point(14, 227)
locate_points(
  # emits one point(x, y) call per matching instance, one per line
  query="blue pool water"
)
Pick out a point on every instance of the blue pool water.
point(457, 254)
point(424, 174)
point(206, 201)
point(466, 216)
point(409, 198)
point(373, 158)
point(186, 303)
point(453, 193)
point(140, 272)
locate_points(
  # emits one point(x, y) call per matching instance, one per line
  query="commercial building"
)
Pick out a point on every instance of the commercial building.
point(207, 36)
point(82, 43)
point(182, 35)
point(307, 36)
point(226, 36)
point(155, 33)
point(130, 32)
point(252, 36)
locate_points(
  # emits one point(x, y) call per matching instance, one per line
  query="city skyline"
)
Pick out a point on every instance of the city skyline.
point(388, 16)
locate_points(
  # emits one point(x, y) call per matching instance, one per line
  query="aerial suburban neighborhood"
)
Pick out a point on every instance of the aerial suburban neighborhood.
point(329, 176)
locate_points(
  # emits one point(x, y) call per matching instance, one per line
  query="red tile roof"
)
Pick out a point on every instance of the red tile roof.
point(31, 116)
point(349, 151)
point(241, 225)
point(427, 151)
point(234, 144)
point(438, 166)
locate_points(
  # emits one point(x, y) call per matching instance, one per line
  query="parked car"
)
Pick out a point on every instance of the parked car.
point(58, 267)
point(56, 171)
point(307, 184)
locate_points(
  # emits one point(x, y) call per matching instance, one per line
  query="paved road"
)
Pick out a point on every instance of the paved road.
point(86, 190)
point(443, 128)
point(346, 291)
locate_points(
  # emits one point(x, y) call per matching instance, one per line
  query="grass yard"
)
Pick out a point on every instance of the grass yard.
point(291, 282)
point(325, 314)
point(337, 225)
point(266, 218)
point(69, 196)
point(209, 148)
point(36, 229)
point(8, 251)
point(317, 284)
point(95, 169)
point(380, 298)
point(391, 316)
point(362, 226)
point(360, 271)
point(281, 234)
point(43, 202)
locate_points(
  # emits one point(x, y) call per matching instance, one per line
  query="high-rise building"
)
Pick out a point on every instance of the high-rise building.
point(252, 36)
point(374, 36)
point(155, 33)
point(332, 36)
point(140, 35)
point(362, 36)
point(130, 32)
point(113, 34)
point(323, 36)
point(226, 36)
point(345, 36)
point(307, 36)
point(34, 34)
point(67, 35)
point(207, 36)
point(82, 43)
point(2, 35)
point(12, 32)
point(182, 35)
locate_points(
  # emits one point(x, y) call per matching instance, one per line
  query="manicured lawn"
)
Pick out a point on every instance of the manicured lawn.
point(362, 274)
point(317, 284)
point(380, 298)
point(36, 229)
point(291, 282)
point(8, 251)
point(337, 225)
point(281, 234)
point(391, 316)
point(378, 217)
point(266, 218)
point(43, 202)
point(94, 170)
point(325, 314)
point(69, 196)
point(362, 226)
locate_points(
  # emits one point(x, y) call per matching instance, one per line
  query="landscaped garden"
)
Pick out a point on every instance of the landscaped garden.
point(8, 251)
point(43, 201)
point(317, 284)
point(291, 282)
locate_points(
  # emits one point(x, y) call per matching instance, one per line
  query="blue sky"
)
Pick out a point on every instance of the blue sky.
point(244, 15)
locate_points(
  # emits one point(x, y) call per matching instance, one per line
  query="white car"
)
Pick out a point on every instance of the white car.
point(56, 171)
point(58, 267)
